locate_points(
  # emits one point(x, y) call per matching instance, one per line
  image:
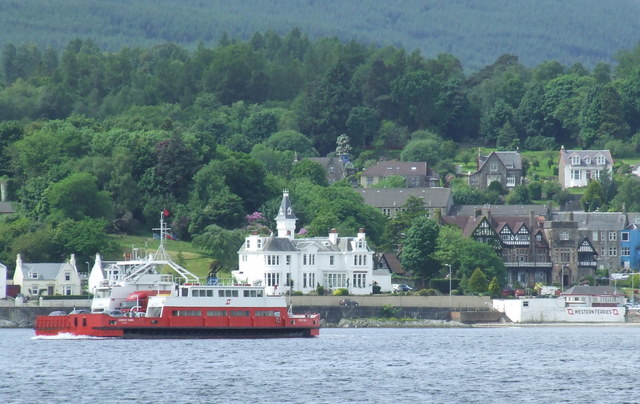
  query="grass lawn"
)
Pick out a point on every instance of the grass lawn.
point(182, 252)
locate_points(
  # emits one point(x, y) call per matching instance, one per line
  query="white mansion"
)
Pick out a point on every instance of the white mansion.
point(285, 263)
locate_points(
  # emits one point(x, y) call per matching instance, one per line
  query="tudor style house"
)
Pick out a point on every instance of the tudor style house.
point(519, 240)
point(504, 167)
point(577, 167)
point(47, 278)
point(284, 263)
point(416, 174)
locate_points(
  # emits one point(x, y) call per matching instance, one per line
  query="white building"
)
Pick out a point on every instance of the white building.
point(577, 167)
point(47, 278)
point(284, 263)
point(3, 281)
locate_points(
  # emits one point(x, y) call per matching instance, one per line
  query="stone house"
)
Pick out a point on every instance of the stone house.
point(391, 201)
point(504, 167)
point(416, 174)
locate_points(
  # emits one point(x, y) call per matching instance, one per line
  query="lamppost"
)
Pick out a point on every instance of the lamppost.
point(450, 305)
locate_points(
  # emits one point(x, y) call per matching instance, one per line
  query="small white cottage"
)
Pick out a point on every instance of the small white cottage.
point(37, 279)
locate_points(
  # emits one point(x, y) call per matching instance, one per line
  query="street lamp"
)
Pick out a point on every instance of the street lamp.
point(450, 306)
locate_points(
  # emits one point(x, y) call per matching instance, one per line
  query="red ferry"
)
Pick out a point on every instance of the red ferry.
point(134, 300)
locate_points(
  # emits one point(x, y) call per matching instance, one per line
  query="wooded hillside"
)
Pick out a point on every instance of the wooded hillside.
point(477, 32)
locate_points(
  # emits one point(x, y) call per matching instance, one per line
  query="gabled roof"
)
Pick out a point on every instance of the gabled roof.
point(510, 159)
point(587, 157)
point(501, 210)
point(397, 197)
point(582, 290)
point(45, 271)
point(278, 244)
point(393, 167)
point(469, 223)
point(390, 262)
point(595, 220)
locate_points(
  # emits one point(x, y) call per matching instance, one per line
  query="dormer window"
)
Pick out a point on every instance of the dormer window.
point(32, 275)
point(259, 243)
point(575, 159)
point(600, 160)
point(493, 167)
point(587, 160)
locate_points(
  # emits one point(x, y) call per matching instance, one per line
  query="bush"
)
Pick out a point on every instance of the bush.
point(389, 311)
point(442, 285)
point(455, 292)
point(320, 290)
point(297, 293)
point(341, 292)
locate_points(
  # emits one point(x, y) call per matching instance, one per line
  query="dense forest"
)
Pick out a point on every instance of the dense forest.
point(94, 141)
point(477, 32)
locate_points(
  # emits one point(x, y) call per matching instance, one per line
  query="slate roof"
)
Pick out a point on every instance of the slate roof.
point(584, 154)
point(286, 210)
point(582, 290)
point(45, 271)
point(397, 197)
point(6, 208)
point(595, 220)
point(393, 167)
point(510, 159)
point(500, 210)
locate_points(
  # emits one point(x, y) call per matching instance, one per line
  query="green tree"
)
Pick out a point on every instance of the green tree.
point(222, 244)
point(392, 181)
point(310, 170)
point(494, 288)
point(593, 197)
point(477, 282)
point(77, 197)
point(419, 248)
point(85, 238)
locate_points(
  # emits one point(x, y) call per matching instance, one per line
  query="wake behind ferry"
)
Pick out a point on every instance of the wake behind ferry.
point(132, 299)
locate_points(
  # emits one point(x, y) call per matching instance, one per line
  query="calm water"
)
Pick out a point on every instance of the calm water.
point(479, 365)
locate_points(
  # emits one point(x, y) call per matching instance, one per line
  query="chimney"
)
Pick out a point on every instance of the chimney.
point(333, 236)
point(361, 234)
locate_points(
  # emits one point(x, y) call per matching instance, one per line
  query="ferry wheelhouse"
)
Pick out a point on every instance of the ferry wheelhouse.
point(135, 300)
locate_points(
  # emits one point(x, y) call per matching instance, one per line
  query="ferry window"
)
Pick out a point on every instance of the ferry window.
point(234, 293)
point(209, 293)
point(185, 292)
point(265, 313)
point(221, 293)
point(259, 293)
point(239, 313)
point(245, 293)
point(216, 313)
point(227, 293)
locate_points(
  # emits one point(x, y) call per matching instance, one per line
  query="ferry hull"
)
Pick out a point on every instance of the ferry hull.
point(105, 326)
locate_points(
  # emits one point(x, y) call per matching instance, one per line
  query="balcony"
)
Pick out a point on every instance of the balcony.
point(527, 264)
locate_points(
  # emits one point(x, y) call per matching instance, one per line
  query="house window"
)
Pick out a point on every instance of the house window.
point(360, 259)
point(613, 251)
point(576, 174)
point(272, 259)
point(575, 160)
point(587, 160)
point(273, 279)
point(248, 244)
point(244, 258)
point(32, 275)
point(474, 180)
point(595, 174)
point(67, 276)
point(603, 235)
point(625, 251)
point(600, 160)
point(360, 280)
point(259, 243)
point(386, 212)
point(331, 260)
point(564, 235)
point(511, 181)
point(66, 290)
point(332, 169)
point(288, 260)
point(369, 180)
point(335, 280)
point(493, 167)
point(594, 236)
point(35, 290)
point(625, 236)
point(613, 236)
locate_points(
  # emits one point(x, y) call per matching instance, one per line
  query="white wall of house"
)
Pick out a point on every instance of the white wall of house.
point(3, 281)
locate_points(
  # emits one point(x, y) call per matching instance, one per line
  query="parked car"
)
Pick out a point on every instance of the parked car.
point(348, 302)
point(79, 311)
point(402, 288)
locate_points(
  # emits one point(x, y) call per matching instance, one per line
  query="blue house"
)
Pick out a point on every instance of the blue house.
point(630, 243)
